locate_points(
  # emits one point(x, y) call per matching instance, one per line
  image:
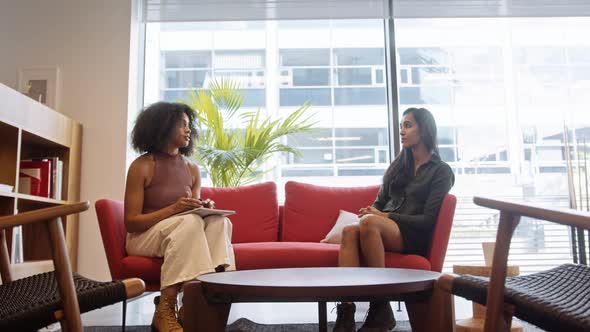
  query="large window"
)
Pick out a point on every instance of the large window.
point(305, 76)
point(181, 57)
point(502, 92)
point(339, 67)
point(336, 66)
point(193, 70)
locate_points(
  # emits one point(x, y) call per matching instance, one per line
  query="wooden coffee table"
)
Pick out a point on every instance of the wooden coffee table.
point(208, 300)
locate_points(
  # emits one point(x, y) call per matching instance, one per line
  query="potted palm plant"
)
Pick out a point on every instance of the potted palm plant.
point(233, 152)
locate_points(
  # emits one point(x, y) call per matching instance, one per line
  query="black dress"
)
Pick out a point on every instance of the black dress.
point(415, 207)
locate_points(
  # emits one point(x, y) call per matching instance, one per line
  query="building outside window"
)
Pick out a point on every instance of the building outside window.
point(339, 68)
point(501, 91)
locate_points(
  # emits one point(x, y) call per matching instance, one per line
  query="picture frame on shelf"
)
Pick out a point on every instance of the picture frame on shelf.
point(41, 84)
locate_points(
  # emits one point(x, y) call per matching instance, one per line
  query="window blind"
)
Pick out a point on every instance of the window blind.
point(536, 244)
point(245, 10)
point(489, 8)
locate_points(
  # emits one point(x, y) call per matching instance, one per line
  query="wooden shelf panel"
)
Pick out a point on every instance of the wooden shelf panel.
point(7, 194)
point(6, 205)
point(8, 153)
point(7, 208)
point(36, 244)
point(26, 269)
point(30, 130)
point(35, 235)
point(5, 127)
point(23, 112)
point(32, 139)
point(38, 200)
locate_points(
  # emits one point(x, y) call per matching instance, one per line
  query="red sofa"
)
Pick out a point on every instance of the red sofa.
point(267, 235)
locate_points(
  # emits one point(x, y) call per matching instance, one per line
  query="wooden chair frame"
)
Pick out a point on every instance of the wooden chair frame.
point(498, 313)
point(69, 317)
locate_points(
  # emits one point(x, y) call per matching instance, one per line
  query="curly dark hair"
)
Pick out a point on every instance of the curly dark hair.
point(156, 125)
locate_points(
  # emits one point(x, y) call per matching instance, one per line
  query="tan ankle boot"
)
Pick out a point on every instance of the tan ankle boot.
point(165, 316)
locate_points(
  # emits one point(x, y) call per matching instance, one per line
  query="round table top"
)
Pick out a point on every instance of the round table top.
point(325, 281)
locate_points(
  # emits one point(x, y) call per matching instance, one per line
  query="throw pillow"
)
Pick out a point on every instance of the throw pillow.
point(345, 218)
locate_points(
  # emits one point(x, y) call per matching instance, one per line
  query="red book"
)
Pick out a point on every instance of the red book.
point(27, 169)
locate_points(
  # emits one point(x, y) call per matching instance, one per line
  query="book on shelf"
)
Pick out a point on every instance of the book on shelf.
point(29, 181)
point(205, 212)
point(56, 177)
point(34, 177)
point(41, 177)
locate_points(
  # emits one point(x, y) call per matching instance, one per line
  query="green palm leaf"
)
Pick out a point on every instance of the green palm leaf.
point(237, 156)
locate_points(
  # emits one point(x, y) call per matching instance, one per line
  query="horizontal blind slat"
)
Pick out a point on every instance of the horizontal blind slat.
point(255, 10)
point(536, 244)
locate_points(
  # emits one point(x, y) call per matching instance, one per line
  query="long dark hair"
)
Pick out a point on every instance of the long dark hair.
point(401, 169)
point(156, 125)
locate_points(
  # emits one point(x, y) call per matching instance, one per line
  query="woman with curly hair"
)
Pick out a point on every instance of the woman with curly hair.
point(161, 183)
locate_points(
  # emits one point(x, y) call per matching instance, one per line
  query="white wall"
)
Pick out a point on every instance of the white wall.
point(90, 41)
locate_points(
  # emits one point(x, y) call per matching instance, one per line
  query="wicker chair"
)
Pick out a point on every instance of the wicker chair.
point(33, 302)
point(554, 300)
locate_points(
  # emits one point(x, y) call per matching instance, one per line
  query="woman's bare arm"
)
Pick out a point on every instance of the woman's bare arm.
point(196, 188)
point(196, 176)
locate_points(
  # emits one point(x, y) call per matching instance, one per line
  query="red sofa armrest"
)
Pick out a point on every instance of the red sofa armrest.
point(114, 235)
point(442, 233)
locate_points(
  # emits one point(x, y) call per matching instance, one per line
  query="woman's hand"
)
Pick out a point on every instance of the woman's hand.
point(372, 210)
point(186, 203)
point(208, 203)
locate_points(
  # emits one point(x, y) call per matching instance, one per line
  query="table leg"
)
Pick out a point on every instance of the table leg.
point(322, 317)
point(435, 313)
point(199, 314)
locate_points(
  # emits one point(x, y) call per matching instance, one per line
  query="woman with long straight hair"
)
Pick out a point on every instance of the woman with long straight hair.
point(403, 215)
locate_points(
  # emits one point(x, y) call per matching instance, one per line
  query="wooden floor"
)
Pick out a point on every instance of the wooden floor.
point(139, 312)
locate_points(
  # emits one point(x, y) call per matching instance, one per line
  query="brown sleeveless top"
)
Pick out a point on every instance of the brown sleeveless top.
point(172, 179)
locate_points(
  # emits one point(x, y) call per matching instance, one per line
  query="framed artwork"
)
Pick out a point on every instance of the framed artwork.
point(41, 84)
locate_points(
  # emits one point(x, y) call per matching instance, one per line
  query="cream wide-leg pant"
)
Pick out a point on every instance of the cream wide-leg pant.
point(189, 245)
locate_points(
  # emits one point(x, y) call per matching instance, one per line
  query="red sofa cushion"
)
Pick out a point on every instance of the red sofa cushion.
point(271, 255)
point(402, 261)
point(311, 211)
point(257, 210)
point(274, 255)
